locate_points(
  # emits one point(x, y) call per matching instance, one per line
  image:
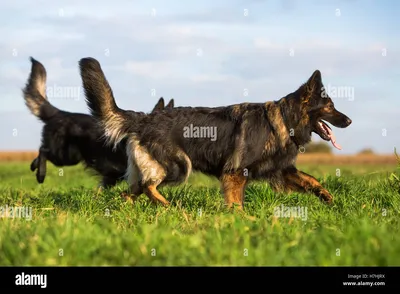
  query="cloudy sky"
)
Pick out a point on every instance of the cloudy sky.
point(206, 53)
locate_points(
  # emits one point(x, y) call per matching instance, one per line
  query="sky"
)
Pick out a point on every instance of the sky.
point(206, 53)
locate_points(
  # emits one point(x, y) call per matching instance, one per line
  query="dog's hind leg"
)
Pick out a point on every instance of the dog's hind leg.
point(35, 164)
point(133, 179)
point(144, 169)
point(41, 170)
point(154, 195)
point(136, 188)
point(234, 185)
point(153, 176)
point(295, 180)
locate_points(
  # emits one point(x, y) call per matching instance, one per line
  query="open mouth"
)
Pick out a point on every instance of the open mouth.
point(325, 132)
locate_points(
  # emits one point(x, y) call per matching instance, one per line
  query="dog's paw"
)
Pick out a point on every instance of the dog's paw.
point(128, 197)
point(40, 178)
point(234, 207)
point(325, 196)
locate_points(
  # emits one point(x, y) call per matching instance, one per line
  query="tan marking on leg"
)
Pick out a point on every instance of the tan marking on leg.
point(299, 181)
point(233, 186)
point(154, 195)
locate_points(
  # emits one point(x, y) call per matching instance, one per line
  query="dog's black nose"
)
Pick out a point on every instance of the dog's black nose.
point(348, 121)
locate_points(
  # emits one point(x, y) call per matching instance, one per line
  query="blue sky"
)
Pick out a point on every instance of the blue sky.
point(206, 53)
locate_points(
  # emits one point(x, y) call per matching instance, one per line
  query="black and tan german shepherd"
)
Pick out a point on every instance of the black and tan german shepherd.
point(70, 138)
point(235, 143)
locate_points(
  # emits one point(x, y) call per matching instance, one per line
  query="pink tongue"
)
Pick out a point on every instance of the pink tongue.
point(333, 139)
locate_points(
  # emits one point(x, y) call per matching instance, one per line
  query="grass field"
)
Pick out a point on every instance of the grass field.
point(72, 223)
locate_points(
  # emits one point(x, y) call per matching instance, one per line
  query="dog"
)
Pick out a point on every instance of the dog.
point(71, 138)
point(254, 140)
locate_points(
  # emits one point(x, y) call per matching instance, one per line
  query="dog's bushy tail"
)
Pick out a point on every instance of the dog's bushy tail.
point(101, 102)
point(35, 92)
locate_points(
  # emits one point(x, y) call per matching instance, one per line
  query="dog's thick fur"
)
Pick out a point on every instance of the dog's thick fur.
point(70, 138)
point(255, 140)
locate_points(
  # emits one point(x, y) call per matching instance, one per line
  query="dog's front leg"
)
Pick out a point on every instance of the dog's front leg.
point(299, 181)
point(41, 168)
point(234, 185)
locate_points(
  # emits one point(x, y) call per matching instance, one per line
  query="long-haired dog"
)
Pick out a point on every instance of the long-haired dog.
point(71, 138)
point(235, 143)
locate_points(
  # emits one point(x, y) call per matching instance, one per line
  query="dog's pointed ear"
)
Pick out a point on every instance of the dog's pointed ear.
point(170, 104)
point(313, 87)
point(159, 105)
point(314, 82)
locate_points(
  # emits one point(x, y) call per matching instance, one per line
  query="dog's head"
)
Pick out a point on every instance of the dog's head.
point(161, 105)
point(321, 109)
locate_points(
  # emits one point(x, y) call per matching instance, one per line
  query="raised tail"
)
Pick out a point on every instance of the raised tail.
point(101, 102)
point(35, 92)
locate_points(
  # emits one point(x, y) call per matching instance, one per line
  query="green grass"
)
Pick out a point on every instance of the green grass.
point(74, 224)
